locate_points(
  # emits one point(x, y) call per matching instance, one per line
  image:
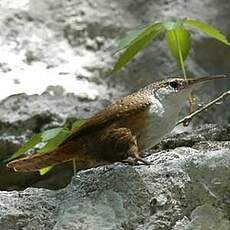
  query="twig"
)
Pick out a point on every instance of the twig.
point(189, 117)
point(74, 167)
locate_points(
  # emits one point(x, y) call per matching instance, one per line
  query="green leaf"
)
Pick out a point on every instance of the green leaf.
point(205, 28)
point(51, 133)
point(43, 171)
point(55, 137)
point(179, 39)
point(140, 42)
point(128, 39)
point(78, 123)
point(30, 144)
point(53, 143)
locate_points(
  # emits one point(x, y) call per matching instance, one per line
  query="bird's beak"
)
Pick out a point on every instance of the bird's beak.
point(198, 81)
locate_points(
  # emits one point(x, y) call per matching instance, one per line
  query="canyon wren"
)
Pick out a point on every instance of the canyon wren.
point(124, 129)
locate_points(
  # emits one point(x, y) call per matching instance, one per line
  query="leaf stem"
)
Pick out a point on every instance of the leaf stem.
point(74, 167)
point(182, 64)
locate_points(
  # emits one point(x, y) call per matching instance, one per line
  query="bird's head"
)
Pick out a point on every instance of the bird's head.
point(177, 90)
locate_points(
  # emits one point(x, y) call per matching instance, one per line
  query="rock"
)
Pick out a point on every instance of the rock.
point(184, 188)
point(206, 216)
point(187, 185)
point(76, 37)
point(28, 210)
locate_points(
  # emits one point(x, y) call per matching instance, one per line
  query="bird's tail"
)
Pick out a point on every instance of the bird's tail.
point(39, 160)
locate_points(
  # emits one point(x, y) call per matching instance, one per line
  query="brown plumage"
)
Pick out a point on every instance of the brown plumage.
point(123, 129)
point(110, 135)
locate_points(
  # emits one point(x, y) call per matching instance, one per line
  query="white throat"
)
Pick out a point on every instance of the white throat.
point(162, 118)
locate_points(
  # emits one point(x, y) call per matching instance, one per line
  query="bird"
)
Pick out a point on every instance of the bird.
point(124, 129)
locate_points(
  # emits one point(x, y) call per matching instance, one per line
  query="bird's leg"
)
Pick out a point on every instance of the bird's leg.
point(121, 145)
point(135, 157)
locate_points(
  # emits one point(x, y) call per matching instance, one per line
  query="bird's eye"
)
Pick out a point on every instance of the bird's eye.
point(174, 84)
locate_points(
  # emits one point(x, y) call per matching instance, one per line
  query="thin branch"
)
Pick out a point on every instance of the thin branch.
point(74, 167)
point(189, 117)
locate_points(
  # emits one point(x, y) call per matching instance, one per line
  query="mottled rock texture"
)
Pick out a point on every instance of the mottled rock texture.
point(188, 184)
point(76, 38)
point(184, 188)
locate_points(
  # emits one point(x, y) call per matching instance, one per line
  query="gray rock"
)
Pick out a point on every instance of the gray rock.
point(206, 216)
point(187, 185)
point(28, 210)
point(77, 36)
point(184, 188)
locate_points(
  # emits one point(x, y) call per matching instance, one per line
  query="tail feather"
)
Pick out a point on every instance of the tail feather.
point(72, 150)
point(38, 161)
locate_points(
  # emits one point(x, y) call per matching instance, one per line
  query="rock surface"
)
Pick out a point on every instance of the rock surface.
point(68, 45)
point(45, 40)
point(184, 188)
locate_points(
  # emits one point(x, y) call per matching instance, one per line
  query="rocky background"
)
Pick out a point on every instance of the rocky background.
point(69, 45)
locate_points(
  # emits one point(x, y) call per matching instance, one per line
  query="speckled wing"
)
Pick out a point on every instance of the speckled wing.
point(73, 147)
point(123, 108)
